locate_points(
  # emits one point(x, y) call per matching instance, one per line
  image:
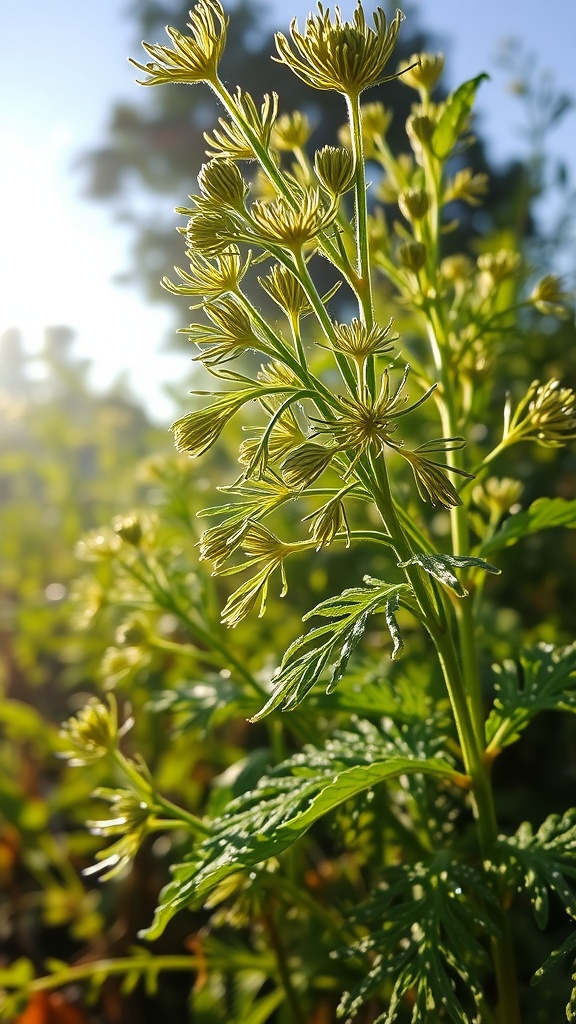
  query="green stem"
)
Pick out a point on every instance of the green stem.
point(283, 968)
point(463, 680)
point(107, 968)
point(270, 168)
point(361, 210)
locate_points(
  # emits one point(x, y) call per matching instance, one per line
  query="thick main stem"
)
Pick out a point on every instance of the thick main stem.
point(472, 750)
point(466, 670)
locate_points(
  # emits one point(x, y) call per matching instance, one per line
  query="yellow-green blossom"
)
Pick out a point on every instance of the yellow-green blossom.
point(347, 57)
point(195, 57)
point(93, 733)
point(546, 414)
point(209, 278)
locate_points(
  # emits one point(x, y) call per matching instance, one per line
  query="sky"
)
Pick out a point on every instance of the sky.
point(64, 64)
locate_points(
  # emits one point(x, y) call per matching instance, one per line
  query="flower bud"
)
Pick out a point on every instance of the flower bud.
point(221, 182)
point(129, 529)
point(549, 297)
point(92, 733)
point(497, 496)
point(412, 255)
point(291, 131)
point(335, 169)
point(302, 466)
point(422, 71)
point(414, 204)
point(420, 128)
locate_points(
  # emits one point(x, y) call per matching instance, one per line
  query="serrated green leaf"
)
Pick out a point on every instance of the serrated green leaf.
point(567, 948)
point(264, 822)
point(329, 646)
point(421, 933)
point(544, 679)
point(204, 704)
point(440, 567)
point(452, 120)
point(537, 862)
point(543, 514)
point(392, 605)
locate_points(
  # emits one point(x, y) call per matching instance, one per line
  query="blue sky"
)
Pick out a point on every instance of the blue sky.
point(64, 63)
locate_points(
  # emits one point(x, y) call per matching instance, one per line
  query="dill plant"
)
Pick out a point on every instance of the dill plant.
point(392, 763)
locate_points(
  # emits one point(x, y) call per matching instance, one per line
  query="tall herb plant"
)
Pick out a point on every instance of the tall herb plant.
point(358, 436)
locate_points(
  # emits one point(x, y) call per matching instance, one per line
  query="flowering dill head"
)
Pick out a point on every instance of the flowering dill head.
point(209, 278)
point(359, 342)
point(93, 733)
point(265, 550)
point(197, 431)
point(286, 291)
point(347, 57)
point(195, 57)
point(230, 334)
point(546, 414)
point(292, 227)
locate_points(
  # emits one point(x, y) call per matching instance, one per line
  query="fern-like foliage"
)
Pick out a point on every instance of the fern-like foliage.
point(541, 862)
point(421, 927)
point(330, 646)
point(543, 679)
point(264, 822)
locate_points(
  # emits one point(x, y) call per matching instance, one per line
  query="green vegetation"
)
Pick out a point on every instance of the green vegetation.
point(358, 820)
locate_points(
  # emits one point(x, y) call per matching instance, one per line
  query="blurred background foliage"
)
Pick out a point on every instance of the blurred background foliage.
point(72, 460)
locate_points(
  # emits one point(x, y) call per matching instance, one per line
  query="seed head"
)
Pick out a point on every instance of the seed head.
point(347, 57)
point(335, 169)
point(229, 140)
point(197, 431)
point(222, 183)
point(195, 57)
point(430, 476)
point(292, 228)
point(546, 414)
point(93, 733)
point(232, 332)
point(209, 278)
point(359, 342)
point(286, 291)
point(328, 521)
point(304, 464)
point(549, 297)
